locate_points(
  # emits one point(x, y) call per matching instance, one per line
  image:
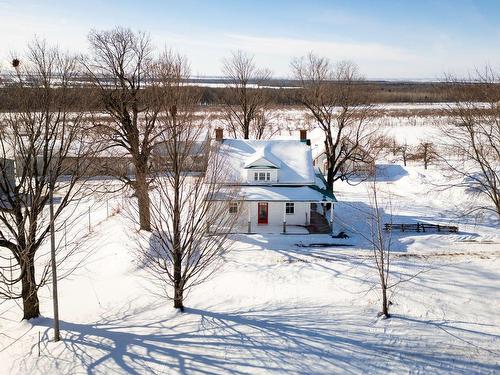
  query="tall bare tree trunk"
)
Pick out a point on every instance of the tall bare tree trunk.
point(385, 302)
point(330, 176)
point(143, 201)
point(178, 287)
point(246, 134)
point(29, 293)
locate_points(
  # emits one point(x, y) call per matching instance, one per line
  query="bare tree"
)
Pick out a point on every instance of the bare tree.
point(426, 152)
point(120, 68)
point(341, 110)
point(378, 217)
point(36, 145)
point(403, 149)
point(380, 239)
point(246, 103)
point(381, 245)
point(474, 135)
point(189, 225)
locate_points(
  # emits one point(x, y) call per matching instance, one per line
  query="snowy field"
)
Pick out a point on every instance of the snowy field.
point(278, 305)
point(407, 123)
point(282, 303)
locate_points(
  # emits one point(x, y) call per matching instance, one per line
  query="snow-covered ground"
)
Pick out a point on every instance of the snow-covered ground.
point(283, 303)
point(281, 306)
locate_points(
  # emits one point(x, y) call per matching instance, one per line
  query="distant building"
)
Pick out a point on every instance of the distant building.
point(359, 163)
point(7, 178)
point(115, 162)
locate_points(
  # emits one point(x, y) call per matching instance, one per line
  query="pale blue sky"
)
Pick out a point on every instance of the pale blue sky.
point(387, 39)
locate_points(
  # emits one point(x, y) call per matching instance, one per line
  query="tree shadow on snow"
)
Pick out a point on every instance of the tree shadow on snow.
point(282, 339)
point(390, 172)
point(383, 173)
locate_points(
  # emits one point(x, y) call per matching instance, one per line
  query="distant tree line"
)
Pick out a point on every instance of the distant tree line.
point(379, 92)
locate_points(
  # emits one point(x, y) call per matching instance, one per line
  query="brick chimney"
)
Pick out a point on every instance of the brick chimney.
point(303, 135)
point(219, 134)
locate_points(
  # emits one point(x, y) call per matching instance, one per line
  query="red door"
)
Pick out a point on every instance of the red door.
point(262, 212)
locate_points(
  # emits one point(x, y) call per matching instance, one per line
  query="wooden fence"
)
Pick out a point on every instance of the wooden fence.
point(421, 227)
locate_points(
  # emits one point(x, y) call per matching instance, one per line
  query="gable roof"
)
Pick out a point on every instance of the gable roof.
point(292, 157)
point(260, 161)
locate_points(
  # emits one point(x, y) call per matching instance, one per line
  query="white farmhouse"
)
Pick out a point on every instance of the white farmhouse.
point(278, 188)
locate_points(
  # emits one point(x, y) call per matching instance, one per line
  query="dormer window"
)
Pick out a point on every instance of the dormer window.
point(262, 170)
point(262, 176)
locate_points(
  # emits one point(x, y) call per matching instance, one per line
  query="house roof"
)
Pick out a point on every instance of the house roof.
point(276, 194)
point(194, 147)
point(292, 157)
point(260, 161)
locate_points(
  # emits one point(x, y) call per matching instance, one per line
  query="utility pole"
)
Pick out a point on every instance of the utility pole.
point(57, 335)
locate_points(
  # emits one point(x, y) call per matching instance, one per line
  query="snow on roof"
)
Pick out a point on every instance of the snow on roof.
point(274, 193)
point(291, 156)
point(320, 179)
point(262, 161)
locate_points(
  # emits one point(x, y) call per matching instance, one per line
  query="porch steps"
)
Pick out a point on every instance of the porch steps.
point(318, 224)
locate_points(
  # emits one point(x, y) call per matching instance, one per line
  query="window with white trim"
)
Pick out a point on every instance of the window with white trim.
point(233, 207)
point(262, 176)
point(290, 208)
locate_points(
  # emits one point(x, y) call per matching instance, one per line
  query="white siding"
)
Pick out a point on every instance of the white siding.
point(275, 214)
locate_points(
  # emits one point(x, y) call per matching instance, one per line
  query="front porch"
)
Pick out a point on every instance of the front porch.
point(281, 209)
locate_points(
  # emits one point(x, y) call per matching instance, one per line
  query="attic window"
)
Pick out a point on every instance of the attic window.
point(262, 176)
